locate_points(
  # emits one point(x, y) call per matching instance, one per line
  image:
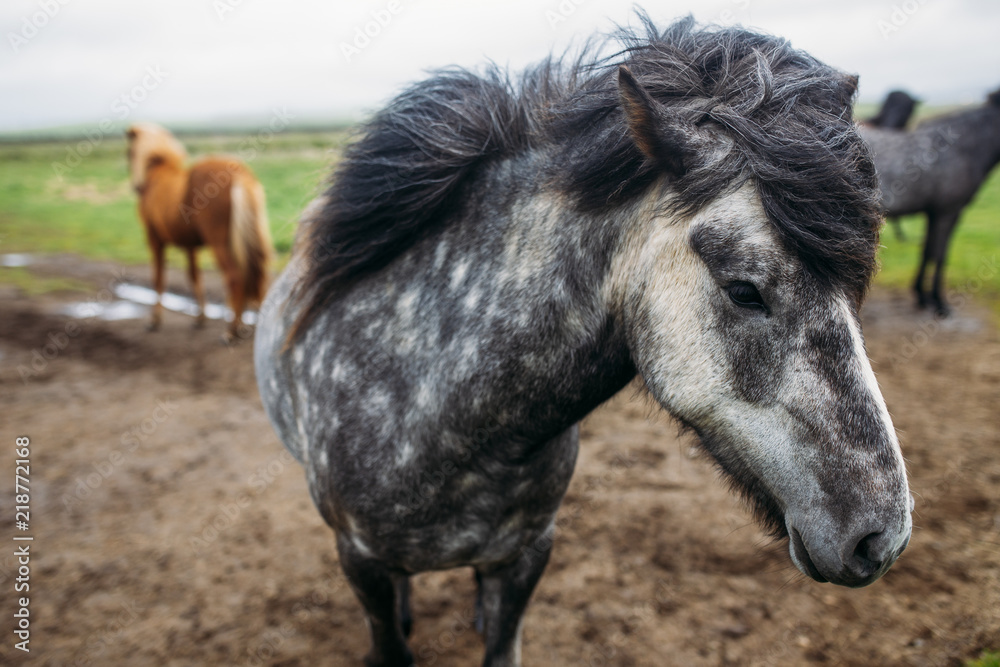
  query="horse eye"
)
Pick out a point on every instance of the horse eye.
point(745, 295)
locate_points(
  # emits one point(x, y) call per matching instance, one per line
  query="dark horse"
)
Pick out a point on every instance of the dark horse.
point(894, 115)
point(494, 258)
point(936, 169)
point(895, 112)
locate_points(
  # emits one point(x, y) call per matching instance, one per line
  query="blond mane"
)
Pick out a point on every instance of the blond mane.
point(148, 141)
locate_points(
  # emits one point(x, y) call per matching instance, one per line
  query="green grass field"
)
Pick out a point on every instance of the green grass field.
point(49, 205)
point(53, 203)
point(987, 659)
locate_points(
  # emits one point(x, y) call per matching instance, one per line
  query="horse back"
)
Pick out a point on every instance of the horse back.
point(939, 165)
point(207, 205)
point(160, 207)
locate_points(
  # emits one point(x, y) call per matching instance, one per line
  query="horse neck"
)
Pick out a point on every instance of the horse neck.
point(166, 179)
point(980, 133)
point(993, 134)
point(535, 286)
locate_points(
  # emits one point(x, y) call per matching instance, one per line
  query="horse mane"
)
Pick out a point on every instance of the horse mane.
point(148, 141)
point(787, 118)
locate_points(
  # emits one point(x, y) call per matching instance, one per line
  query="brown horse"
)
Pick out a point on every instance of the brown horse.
point(217, 202)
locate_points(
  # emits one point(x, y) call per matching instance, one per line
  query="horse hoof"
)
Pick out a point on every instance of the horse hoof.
point(152, 326)
point(199, 323)
point(227, 338)
point(942, 310)
point(404, 660)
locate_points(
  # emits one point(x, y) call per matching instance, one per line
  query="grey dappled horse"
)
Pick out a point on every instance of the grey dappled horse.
point(936, 169)
point(494, 258)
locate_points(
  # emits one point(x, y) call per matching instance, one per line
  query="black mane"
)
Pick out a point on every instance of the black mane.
point(788, 118)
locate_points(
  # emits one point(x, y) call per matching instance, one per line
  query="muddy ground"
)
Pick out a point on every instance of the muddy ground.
point(170, 529)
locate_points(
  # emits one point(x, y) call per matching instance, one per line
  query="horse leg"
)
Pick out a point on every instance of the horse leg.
point(235, 296)
point(376, 588)
point(403, 603)
point(897, 227)
point(925, 259)
point(505, 592)
point(196, 286)
point(237, 300)
point(480, 624)
point(946, 225)
point(159, 262)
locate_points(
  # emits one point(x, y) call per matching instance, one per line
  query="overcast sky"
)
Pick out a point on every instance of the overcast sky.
point(82, 61)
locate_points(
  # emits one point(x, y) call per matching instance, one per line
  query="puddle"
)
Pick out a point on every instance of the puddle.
point(134, 302)
point(115, 310)
point(14, 260)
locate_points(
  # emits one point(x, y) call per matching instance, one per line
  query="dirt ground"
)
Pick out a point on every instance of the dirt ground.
point(170, 529)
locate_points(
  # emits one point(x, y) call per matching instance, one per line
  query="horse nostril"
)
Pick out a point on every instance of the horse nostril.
point(867, 559)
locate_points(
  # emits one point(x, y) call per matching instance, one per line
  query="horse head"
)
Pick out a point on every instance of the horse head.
point(150, 145)
point(751, 337)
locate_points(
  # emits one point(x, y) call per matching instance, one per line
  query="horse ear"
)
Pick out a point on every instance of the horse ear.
point(649, 126)
point(851, 84)
point(994, 98)
point(131, 134)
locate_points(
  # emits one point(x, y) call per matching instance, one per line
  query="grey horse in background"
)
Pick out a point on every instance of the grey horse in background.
point(936, 169)
point(896, 111)
point(498, 255)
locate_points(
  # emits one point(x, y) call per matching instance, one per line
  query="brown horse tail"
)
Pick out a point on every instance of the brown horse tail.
point(250, 236)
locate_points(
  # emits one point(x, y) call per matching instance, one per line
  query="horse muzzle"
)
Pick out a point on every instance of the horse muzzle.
point(855, 557)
